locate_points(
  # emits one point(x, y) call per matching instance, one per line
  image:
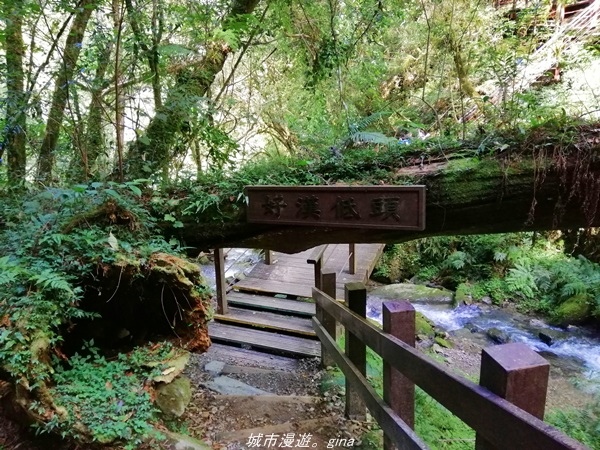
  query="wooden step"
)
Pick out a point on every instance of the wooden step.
point(262, 302)
point(267, 320)
point(275, 342)
point(273, 287)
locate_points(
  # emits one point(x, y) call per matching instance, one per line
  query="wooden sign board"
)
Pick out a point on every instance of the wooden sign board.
point(383, 207)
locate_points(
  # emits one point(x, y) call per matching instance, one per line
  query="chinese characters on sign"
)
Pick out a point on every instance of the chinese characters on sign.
point(396, 207)
point(291, 440)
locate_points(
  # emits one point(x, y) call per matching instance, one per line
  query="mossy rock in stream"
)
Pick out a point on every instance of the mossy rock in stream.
point(423, 326)
point(414, 293)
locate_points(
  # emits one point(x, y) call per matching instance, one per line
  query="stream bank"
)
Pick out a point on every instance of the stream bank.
point(573, 353)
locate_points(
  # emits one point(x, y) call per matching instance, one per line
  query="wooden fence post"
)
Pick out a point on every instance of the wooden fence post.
point(356, 350)
point(221, 283)
point(352, 260)
point(328, 284)
point(399, 391)
point(518, 374)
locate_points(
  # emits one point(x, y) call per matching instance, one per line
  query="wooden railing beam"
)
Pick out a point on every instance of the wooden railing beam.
point(316, 258)
point(476, 406)
point(518, 374)
point(352, 259)
point(221, 284)
point(328, 281)
point(394, 427)
point(268, 257)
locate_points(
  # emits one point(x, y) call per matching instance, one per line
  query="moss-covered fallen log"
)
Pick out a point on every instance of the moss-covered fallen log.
point(548, 179)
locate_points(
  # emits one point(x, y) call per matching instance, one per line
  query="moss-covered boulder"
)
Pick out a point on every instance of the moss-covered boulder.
point(463, 295)
point(498, 336)
point(424, 327)
point(173, 398)
point(573, 311)
point(442, 342)
point(414, 293)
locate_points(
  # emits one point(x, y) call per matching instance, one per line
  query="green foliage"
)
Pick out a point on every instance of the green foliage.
point(55, 239)
point(529, 269)
point(580, 424)
point(398, 262)
point(436, 425)
point(110, 399)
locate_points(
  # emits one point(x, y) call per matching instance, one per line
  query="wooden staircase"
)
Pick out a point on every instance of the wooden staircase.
point(270, 309)
point(267, 323)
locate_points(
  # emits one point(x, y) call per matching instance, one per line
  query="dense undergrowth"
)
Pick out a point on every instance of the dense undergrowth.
point(529, 269)
point(86, 281)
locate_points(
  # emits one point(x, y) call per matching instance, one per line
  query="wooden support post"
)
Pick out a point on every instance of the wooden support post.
point(518, 374)
point(318, 280)
point(268, 257)
point(399, 391)
point(221, 283)
point(352, 259)
point(356, 350)
point(316, 258)
point(328, 281)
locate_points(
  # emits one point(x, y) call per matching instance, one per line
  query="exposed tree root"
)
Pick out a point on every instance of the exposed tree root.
point(136, 301)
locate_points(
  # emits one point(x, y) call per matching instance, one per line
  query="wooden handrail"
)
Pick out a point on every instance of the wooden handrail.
point(352, 259)
point(497, 420)
point(317, 254)
point(389, 421)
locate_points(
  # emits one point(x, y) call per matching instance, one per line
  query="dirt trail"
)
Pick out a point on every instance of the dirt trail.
point(295, 414)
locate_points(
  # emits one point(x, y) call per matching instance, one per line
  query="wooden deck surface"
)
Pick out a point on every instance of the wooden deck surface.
point(292, 275)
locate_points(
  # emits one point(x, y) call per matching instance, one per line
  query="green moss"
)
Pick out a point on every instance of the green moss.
point(172, 398)
point(573, 311)
point(463, 295)
point(424, 326)
point(442, 342)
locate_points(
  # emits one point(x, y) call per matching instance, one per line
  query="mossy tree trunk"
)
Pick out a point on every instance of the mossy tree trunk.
point(73, 45)
point(16, 119)
point(152, 151)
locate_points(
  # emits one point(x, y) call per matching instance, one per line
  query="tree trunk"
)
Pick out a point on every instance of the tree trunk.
point(151, 152)
point(546, 188)
point(16, 119)
point(61, 89)
point(82, 165)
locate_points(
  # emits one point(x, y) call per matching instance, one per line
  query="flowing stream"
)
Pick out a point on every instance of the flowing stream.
point(576, 349)
point(238, 263)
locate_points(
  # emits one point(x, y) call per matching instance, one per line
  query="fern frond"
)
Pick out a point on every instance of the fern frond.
point(367, 121)
point(371, 137)
point(49, 279)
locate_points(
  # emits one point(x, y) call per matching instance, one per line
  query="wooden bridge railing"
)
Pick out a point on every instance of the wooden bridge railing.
point(316, 258)
point(505, 410)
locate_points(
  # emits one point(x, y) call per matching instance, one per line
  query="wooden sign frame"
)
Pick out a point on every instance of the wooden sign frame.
point(376, 207)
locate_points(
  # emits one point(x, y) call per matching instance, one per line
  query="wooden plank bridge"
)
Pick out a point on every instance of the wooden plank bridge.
point(271, 308)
